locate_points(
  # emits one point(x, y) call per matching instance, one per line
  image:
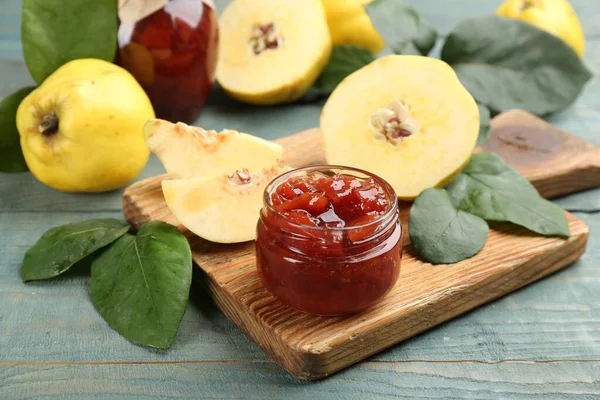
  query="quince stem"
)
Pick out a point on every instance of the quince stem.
point(49, 124)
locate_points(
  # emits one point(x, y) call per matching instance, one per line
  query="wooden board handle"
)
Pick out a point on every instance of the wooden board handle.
point(554, 161)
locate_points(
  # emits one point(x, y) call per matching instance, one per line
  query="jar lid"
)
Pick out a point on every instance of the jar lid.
point(131, 11)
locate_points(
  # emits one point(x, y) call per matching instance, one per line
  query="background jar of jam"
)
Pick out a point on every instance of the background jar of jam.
point(170, 47)
point(329, 239)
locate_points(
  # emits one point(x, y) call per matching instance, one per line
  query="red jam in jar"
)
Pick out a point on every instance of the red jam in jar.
point(172, 53)
point(329, 239)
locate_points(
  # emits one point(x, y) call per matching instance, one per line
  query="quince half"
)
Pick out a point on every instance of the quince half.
point(81, 129)
point(222, 209)
point(192, 152)
point(405, 118)
point(272, 51)
point(349, 23)
point(554, 16)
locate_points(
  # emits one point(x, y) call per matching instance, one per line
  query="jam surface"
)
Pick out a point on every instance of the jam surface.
point(329, 242)
point(330, 201)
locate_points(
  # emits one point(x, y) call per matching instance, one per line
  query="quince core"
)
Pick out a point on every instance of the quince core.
point(272, 51)
point(407, 119)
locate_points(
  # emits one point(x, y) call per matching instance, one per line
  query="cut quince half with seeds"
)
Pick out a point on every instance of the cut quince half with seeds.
point(272, 51)
point(405, 118)
point(222, 209)
point(192, 152)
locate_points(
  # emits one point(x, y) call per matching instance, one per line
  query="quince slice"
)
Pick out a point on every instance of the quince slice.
point(405, 118)
point(192, 152)
point(272, 51)
point(222, 209)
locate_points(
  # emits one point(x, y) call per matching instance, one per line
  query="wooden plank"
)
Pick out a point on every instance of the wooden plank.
point(587, 201)
point(588, 12)
point(55, 321)
point(592, 55)
point(582, 119)
point(265, 380)
point(14, 75)
point(558, 318)
point(22, 192)
point(555, 318)
point(313, 347)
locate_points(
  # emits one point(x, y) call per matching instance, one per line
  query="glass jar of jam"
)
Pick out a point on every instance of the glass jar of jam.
point(329, 239)
point(170, 47)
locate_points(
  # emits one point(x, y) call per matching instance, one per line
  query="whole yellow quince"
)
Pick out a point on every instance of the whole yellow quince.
point(554, 16)
point(349, 23)
point(82, 129)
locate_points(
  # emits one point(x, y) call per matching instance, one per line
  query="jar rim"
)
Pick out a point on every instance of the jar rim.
point(390, 192)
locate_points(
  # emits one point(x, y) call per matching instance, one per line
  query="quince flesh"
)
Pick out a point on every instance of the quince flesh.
point(191, 152)
point(554, 16)
point(405, 118)
point(81, 130)
point(272, 51)
point(221, 208)
point(349, 23)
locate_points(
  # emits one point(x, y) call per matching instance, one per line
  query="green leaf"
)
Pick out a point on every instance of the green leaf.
point(344, 60)
point(402, 27)
point(484, 124)
point(507, 64)
point(491, 189)
point(11, 156)
point(440, 233)
point(54, 32)
point(140, 284)
point(61, 247)
point(12, 160)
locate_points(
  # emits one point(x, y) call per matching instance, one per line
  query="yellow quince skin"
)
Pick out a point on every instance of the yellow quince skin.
point(554, 16)
point(82, 129)
point(349, 23)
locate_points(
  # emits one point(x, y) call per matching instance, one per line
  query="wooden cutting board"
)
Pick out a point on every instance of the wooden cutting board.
point(312, 347)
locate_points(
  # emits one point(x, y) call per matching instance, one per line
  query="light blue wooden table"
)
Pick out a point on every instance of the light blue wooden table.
point(540, 342)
